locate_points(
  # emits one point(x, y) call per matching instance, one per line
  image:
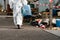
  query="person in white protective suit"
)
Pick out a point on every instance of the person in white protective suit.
point(17, 5)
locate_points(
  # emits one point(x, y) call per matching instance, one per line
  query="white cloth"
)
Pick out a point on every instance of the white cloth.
point(47, 21)
point(54, 21)
point(16, 5)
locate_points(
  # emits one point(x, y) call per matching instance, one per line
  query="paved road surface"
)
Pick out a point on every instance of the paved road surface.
point(9, 32)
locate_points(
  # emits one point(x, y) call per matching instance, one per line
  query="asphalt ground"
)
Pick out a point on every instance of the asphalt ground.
point(8, 31)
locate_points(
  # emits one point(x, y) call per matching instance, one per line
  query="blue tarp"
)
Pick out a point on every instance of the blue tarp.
point(26, 10)
point(58, 23)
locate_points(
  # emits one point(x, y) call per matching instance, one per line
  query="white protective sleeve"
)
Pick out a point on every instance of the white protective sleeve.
point(11, 3)
point(24, 2)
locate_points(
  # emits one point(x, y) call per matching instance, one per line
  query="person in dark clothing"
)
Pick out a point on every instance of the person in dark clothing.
point(9, 10)
point(47, 10)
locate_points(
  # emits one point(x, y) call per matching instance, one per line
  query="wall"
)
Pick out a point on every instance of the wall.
point(42, 8)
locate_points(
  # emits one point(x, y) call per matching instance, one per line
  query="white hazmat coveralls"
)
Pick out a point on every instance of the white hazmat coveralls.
point(16, 5)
